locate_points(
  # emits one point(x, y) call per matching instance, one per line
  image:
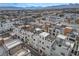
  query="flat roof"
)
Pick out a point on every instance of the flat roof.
point(0, 38)
point(5, 35)
point(12, 33)
point(62, 36)
point(21, 52)
point(44, 34)
point(38, 29)
point(69, 27)
point(76, 33)
point(6, 38)
point(12, 44)
point(59, 24)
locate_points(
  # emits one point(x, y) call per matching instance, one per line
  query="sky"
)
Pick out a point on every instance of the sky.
point(36, 3)
point(39, 1)
point(30, 4)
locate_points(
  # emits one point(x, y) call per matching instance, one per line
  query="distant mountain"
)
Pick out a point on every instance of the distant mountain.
point(63, 6)
point(18, 6)
point(29, 4)
point(11, 8)
point(21, 6)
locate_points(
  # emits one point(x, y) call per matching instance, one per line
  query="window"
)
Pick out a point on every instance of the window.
point(53, 48)
point(59, 45)
point(43, 38)
point(47, 46)
point(40, 36)
point(40, 51)
point(73, 36)
point(57, 31)
point(71, 39)
point(43, 48)
point(18, 37)
point(22, 39)
point(25, 37)
point(42, 42)
point(75, 52)
point(51, 54)
point(34, 39)
point(72, 51)
point(53, 30)
point(53, 33)
point(63, 54)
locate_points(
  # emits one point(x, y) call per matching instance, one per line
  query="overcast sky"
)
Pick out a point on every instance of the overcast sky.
point(40, 1)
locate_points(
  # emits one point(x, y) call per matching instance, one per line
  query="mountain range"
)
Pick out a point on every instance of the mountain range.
point(33, 6)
